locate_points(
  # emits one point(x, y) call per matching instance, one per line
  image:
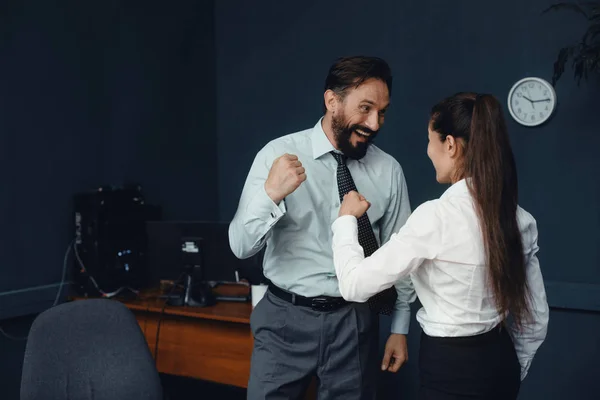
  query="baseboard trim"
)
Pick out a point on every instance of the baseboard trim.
point(573, 296)
point(31, 300)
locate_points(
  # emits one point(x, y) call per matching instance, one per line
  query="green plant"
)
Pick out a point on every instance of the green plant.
point(585, 55)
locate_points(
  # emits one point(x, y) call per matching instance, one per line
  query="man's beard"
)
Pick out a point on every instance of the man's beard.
point(342, 134)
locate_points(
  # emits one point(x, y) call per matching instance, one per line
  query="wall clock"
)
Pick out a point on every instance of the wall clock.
point(531, 101)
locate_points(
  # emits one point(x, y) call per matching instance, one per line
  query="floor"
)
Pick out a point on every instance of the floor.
point(178, 388)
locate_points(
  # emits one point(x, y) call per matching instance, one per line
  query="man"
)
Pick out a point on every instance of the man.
point(303, 327)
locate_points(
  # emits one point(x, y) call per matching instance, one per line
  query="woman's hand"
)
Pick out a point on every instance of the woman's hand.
point(354, 204)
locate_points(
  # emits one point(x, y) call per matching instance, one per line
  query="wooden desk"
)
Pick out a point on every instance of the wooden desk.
point(212, 343)
point(209, 343)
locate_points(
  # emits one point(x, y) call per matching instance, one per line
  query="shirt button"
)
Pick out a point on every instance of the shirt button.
point(272, 215)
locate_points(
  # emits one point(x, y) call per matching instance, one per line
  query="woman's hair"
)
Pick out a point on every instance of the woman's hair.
point(489, 165)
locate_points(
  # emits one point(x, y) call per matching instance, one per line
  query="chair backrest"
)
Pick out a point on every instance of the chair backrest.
point(88, 349)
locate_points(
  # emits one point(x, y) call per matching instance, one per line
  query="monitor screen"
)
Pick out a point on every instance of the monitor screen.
point(166, 258)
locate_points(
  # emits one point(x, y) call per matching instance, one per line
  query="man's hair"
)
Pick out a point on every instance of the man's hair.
point(350, 72)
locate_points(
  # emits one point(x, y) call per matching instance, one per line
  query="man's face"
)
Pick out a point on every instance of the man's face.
point(359, 116)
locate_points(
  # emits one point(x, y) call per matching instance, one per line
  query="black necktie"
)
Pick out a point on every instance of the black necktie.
point(382, 303)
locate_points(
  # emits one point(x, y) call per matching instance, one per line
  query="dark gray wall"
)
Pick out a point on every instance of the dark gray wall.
point(95, 93)
point(105, 93)
point(272, 58)
point(12, 349)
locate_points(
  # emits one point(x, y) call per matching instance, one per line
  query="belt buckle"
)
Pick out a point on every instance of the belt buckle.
point(322, 304)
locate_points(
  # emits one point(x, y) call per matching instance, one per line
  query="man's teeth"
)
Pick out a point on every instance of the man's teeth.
point(362, 133)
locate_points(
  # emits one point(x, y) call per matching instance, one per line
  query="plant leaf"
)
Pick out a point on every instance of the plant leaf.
point(561, 60)
point(585, 61)
point(585, 56)
point(591, 34)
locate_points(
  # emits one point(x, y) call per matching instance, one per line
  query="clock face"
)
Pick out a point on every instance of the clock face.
point(531, 101)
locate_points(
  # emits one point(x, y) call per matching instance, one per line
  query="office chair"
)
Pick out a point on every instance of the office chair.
point(88, 349)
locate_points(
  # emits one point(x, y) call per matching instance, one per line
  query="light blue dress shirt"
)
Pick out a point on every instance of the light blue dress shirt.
point(297, 231)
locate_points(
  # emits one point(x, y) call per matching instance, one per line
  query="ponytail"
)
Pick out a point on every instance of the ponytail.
point(493, 183)
point(490, 171)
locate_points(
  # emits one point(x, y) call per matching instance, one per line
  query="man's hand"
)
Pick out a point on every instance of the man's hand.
point(396, 353)
point(355, 204)
point(285, 176)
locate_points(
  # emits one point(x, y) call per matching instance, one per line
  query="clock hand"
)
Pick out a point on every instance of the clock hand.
point(528, 99)
point(531, 101)
point(538, 101)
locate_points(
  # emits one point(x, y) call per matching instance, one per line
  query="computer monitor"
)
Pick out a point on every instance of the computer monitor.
point(220, 265)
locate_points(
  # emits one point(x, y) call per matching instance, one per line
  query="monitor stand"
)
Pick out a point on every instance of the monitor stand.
point(195, 294)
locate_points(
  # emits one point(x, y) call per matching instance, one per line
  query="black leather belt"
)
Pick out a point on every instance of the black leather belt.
point(318, 303)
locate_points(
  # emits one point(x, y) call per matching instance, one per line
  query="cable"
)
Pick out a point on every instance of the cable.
point(160, 317)
point(158, 331)
point(64, 272)
point(102, 292)
point(11, 337)
point(72, 246)
point(62, 282)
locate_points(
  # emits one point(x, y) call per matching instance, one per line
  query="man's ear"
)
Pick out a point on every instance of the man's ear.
point(331, 100)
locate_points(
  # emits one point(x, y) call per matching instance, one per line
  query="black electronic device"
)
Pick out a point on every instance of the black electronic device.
point(110, 240)
point(219, 266)
point(196, 291)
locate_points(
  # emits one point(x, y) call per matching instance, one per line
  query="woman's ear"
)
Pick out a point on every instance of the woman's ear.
point(454, 146)
point(450, 146)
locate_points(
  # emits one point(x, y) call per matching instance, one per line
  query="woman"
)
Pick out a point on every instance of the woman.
point(471, 255)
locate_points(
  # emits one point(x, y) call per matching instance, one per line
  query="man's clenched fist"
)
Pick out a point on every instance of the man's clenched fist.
point(285, 176)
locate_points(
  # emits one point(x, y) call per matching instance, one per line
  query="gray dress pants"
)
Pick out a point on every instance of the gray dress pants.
point(293, 343)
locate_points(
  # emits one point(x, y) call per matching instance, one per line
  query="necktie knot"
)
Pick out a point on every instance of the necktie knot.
point(340, 158)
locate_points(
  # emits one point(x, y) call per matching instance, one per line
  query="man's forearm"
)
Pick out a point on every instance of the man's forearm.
point(401, 315)
point(252, 222)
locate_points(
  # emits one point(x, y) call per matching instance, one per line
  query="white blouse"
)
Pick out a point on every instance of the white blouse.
point(441, 248)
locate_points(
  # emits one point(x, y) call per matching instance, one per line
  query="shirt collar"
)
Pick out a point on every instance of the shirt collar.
point(320, 143)
point(457, 189)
